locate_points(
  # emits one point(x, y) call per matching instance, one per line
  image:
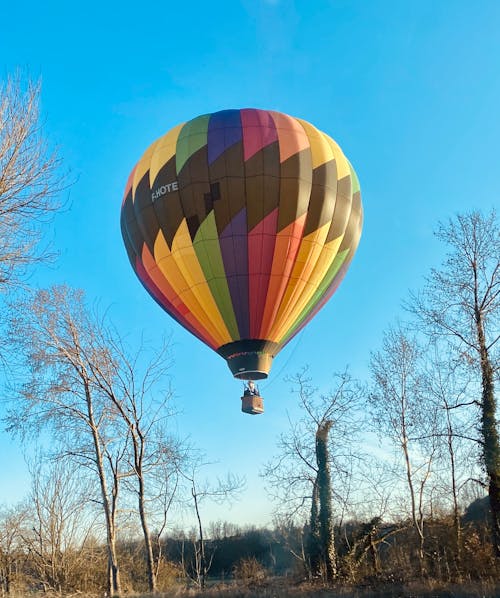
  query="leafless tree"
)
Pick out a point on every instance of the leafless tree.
point(105, 406)
point(317, 448)
point(219, 491)
point(30, 180)
point(449, 387)
point(57, 525)
point(163, 495)
point(56, 340)
point(402, 413)
point(132, 388)
point(461, 301)
point(12, 555)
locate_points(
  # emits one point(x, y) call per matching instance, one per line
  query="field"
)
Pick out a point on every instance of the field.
point(280, 589)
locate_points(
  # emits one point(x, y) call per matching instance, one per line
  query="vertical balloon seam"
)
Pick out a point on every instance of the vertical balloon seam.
point(211, 260)
point(315, 303)
point(245, 325)
point(286, 244)
point(254, 270)
point(190, 140)
point(321, 268)
point(141, 179)
point(308, 255)
point(240, 277)
point(318, 265)
point(303, 290)
point(261, 247)
point(233, 240)
point(205, 250)
point(141, 271)
point(132, 250)
point(234, 234)
point(352, 235)
point(347, 249)
point(185, 256)
point(292, 144)
point(174, 271)
point(260, 243)
point(128, 239)
point(354, 177)
point(195, 289)
point(176, 312)
point(174, 300)
point(141, 175)
point(276, 283)
point(184, 148)
point(332, 269)
point(322, 293)
point(128, 186)
point(249, 301)
point(171, 290)
point(346, 256)
point(173, 275)
point(209, 255)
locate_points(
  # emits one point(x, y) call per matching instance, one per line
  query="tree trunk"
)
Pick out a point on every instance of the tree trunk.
point(314, 543)
point(114, 585)
point(148, 545)
point(418, 523)
point(457, 526)
point(202, 568)
point(375, 558)
point(491, 444)
point(147, 541)
point(325, 501)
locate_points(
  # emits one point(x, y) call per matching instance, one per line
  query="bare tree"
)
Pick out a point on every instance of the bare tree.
point(402, 414)
point(132, 388)
point(57, 341)
point(461, 301)
point(30, 180)
point(301, 477)
point(57, 526)
point(106, 407)
point(12, 555)
point(448, 385)
point(163, 485)
point(218, 491)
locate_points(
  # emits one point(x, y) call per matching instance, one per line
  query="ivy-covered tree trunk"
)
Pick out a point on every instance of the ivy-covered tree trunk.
point(314, 540)
point(491, 443)
point(325, 516)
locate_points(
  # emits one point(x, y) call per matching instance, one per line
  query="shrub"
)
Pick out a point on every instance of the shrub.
point(249, 571)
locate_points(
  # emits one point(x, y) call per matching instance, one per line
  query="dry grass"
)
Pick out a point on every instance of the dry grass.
point(280, 589)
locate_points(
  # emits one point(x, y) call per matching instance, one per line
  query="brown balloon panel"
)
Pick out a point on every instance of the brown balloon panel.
point(241, 224)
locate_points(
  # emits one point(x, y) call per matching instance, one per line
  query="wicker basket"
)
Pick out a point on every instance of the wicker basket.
point(252, 404)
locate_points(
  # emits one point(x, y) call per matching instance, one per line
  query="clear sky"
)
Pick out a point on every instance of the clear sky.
point(410, 91)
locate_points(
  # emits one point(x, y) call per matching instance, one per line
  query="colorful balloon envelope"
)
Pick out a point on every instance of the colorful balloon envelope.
point(241, 225)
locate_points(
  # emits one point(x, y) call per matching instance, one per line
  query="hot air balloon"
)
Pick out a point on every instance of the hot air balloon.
point(241, 224)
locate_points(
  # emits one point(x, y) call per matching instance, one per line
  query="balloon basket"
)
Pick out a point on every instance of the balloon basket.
point(252, 404)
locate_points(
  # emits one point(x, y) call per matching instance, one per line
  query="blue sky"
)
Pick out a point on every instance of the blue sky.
point(410, 90)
